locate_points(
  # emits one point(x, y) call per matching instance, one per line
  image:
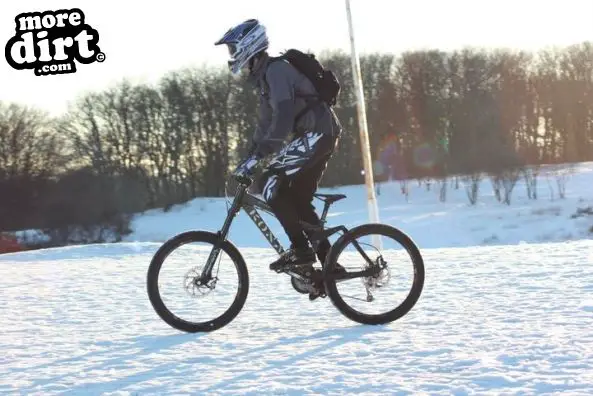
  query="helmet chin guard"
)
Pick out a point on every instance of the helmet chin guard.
point(243, 42)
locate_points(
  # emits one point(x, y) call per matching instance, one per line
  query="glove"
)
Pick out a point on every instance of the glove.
point(245, 168)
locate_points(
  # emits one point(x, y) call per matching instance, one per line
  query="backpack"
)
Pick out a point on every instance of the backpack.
point(325, 81)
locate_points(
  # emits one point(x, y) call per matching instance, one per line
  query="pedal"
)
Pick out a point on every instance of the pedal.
point(317, 289)
point(314, 295)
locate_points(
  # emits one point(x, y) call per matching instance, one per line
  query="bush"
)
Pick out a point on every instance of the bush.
point(85, 207)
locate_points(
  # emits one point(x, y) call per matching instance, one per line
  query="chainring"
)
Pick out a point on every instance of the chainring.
point(302, 280)
point(302, 287)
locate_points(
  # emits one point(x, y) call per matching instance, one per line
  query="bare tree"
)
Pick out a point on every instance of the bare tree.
point(31, 154)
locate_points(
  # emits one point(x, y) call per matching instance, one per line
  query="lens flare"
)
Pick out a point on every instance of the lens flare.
point(389, 162)
point(425, 155)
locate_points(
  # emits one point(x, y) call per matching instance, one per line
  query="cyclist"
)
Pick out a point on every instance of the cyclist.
point(293, 174)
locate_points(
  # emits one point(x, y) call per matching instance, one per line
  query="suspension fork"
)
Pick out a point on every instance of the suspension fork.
point(222, 234)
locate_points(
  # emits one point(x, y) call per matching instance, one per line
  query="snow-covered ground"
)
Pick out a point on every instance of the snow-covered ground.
point(492, 320)
point(431, 223)
point(507, 308)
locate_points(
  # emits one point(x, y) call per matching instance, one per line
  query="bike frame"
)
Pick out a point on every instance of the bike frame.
point(251, 204)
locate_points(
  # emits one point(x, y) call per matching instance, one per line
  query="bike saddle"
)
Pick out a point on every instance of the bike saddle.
point(329, 198)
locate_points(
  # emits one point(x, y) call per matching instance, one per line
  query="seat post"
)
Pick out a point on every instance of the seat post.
point(326, 206)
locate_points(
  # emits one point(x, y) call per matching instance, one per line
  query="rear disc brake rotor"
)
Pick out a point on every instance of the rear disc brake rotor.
point(379, 280)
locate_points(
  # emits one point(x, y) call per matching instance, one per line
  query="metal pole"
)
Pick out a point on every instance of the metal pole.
point(363, 129)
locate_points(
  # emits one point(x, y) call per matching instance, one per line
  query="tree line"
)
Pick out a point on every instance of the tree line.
point(132, 147)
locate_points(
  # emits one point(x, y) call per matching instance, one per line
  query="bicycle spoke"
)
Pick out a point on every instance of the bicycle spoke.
point(392, 279)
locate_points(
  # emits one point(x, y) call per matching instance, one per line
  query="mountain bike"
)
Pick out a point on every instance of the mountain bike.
point(375, 274)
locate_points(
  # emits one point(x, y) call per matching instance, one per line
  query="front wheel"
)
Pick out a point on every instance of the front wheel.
point(391, 276)
point(177, 267)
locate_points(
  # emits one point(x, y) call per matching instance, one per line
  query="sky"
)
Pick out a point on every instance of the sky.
point(143, 40)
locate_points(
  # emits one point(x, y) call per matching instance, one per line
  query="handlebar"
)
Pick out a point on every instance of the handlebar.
point(244, 180)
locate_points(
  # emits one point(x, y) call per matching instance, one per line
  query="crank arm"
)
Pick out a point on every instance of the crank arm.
point(297, 275)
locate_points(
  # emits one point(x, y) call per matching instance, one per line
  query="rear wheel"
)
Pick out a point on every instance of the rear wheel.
point(396, 287)
point(225, 291)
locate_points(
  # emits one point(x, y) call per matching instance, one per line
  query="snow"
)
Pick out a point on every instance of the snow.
point(506, 309)
point(431, 223)
point(492, 320)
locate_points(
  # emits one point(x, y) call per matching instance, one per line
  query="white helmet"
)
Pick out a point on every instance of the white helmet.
point(244, 41)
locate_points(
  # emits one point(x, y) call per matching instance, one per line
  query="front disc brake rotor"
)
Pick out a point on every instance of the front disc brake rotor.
point(193, 286)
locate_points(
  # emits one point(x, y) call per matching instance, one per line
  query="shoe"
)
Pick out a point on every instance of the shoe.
point(294, 256)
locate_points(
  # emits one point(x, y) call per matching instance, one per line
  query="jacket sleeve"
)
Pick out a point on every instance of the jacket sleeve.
point(263, 123)
point(281, 102)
